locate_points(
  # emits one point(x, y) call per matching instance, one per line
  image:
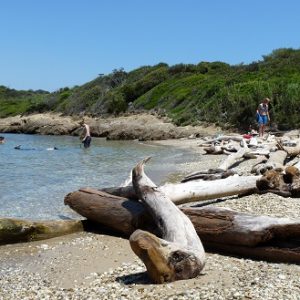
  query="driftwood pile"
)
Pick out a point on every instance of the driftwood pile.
point(168, 239)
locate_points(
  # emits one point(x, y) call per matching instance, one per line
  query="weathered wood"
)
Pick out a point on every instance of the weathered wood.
point(236, 138)
point(200, 190)
point(292, 151)
point(283, 182)
point(197, 190)
point(17, 230)
point(234, 157)
point(213, 149)
point(208, 175)
point(130, 215)
point(222, 230)
point(275, 161)
point(179, 254)
point(261, 159)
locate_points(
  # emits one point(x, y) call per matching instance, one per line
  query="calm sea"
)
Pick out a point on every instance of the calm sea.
point(34, 181)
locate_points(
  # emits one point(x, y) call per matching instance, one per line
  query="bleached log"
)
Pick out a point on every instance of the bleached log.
point(231, 147)
point(192, 191)
point(292, 151)
point(276, 161)
point(257, 164)
point(236, 138)
point(179, 254)
point(260, 151)
point(234, 157)
point(198, 190)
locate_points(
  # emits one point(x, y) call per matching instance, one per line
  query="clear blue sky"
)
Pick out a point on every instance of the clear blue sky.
point(49, 44)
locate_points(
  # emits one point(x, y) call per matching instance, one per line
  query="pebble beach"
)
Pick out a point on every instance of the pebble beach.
point(100, 266)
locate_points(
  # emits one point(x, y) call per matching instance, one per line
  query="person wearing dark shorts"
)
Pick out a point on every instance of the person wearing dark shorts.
point(87, 135)
point(87, 142)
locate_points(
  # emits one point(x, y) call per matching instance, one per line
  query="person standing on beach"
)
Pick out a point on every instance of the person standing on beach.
point(87, 135)
point(262, 114)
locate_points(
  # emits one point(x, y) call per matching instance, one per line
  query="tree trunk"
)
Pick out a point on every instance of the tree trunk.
point(220, 230)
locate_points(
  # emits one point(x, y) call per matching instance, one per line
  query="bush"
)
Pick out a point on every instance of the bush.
point(115, 103)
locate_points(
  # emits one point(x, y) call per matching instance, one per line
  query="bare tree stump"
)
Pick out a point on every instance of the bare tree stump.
point(179, 254)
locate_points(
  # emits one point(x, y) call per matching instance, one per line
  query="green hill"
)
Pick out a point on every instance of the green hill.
point(209, 92)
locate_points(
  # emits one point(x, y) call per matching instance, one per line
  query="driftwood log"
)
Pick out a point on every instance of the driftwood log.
point(220, 230)
point(237, 138)
point(179, 254)
point(233, 158)
point(275, 162)
point(291, 151)
point(197, 190)
point(285, 183)
point(17, 230)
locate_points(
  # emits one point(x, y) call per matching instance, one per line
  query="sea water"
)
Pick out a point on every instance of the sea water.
point(35, 180)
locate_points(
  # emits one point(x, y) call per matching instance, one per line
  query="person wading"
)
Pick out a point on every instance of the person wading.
point(87, 135)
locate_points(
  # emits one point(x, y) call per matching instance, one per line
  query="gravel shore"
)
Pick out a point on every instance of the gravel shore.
point(99, 266)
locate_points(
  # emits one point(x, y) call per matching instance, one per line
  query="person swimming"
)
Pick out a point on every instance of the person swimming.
point(19, 147)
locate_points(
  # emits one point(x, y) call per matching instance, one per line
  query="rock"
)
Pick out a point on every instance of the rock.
point(143, 127)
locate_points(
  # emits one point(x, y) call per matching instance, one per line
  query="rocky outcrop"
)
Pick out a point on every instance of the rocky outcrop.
point(142, 127)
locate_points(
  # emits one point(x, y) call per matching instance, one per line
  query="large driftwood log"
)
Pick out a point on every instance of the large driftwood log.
point(179, 254)
point(220, 230)
point(17, 230)
point(192, 191)
point(197, 190)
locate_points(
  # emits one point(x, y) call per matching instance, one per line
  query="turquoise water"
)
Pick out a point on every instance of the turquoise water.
point(33, 182)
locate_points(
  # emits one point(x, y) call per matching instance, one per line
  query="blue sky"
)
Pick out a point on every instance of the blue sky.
point(49, 44)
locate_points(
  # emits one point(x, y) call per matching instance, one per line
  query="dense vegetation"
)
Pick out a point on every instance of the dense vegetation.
point(209, 92)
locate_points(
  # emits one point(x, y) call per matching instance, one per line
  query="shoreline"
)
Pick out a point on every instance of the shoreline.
point(103, 266)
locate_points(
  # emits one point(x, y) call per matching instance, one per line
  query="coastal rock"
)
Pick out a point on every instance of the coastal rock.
point(143, 127)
